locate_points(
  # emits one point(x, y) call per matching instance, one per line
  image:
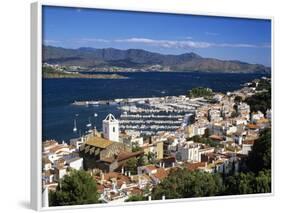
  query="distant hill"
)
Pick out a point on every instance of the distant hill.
point(138, 59)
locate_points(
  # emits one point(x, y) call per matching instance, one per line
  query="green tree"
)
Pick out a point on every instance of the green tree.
point(260, 156)
point(206, 141)
point(248, 183)
point(151, 157)
point(140, 161)
point(240, 183)
point(260, 101)
point(238, 99)
point(234, 114)
point(131, 165)
point(206, 133)
point(77, 188)
point(134, 198)
point(200, 92)
point(263, 182)
point(264, 85)
point(136, 147)
point(182, 183)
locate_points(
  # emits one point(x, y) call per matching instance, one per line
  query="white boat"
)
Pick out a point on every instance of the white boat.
point(74, 128)
point(89, 124)
point(94, 103)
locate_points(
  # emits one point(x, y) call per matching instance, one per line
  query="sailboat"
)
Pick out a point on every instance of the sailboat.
point(74, 128)
point(89, 124)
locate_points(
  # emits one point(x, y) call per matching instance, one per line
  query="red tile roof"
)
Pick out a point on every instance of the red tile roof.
point(161, 173)
point(216, 137)
point(249, 142)
point(195, 166)
point(150, 167)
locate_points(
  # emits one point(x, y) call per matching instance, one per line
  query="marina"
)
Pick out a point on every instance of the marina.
point(152, 115)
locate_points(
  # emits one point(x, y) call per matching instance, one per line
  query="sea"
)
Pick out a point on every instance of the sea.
point(58, 113)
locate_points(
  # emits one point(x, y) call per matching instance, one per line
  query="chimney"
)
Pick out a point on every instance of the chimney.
point(149, 197)
point(163, 197)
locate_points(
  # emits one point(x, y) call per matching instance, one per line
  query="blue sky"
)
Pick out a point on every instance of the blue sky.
point(247, 40)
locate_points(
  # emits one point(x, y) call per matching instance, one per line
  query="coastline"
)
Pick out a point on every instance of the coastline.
point(82, 76)
point(147, 84)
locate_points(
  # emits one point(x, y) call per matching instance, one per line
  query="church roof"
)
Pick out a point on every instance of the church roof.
point(98, 141)
point(110, 117)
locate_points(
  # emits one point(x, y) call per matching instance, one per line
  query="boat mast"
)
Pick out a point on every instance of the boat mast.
point(74, 128)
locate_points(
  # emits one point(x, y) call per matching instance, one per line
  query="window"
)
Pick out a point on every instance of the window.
point(113, 129)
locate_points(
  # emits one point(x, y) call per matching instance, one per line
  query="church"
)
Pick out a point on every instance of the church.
point(110, 128)
point(105, 151)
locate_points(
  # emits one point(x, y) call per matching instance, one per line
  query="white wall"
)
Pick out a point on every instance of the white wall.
point(111, 130)
point(77, 164)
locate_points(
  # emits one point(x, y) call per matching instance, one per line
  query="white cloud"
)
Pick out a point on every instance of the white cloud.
point(50, 42)
point(167, 43)
point(183, 44)
point(176, 44)
point(85, 40)
point(188, 38)
point(238, 45)
point(211, 34)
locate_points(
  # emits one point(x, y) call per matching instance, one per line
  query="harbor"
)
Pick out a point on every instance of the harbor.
point(69, 99)
point(151, 115)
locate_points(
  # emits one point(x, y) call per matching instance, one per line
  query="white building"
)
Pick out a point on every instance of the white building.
point(257, 116)
point(77, 142)
point(240, 120)
point(199, 130)
point(243, 110)
point(247, 147)
point(137, 141)
point(188, 152)
point(230, 129)
point(268, 113)
point(75, 163)
point(60, 173)
point(214, 115)
point(110, 127)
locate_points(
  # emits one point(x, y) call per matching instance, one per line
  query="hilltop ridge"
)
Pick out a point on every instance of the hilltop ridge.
point(111, 59)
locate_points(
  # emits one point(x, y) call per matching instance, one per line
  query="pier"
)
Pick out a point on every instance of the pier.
point(151, 115)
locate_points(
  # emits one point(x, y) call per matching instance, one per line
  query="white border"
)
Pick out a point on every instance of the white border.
point(36, 106)
point(36, 100)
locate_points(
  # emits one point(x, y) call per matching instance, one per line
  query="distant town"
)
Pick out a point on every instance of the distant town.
point(59, 71)
point(161, 146)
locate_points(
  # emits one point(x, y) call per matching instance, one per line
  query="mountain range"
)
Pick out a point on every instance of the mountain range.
point(138, 59)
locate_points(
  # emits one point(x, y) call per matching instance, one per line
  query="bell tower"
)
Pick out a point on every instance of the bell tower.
point(110, 128)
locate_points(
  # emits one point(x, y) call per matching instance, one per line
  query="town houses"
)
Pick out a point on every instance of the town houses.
point(216, 138)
